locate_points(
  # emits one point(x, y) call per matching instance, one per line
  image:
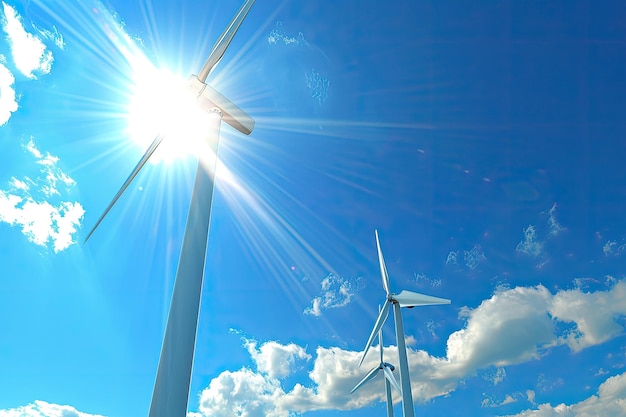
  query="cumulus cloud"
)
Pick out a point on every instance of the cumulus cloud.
point(44, 409)
point(8, 101)
point(335, 292)
point(36, 207)
point(274, 359)
point(29, 52)
point(610, 401)
point(242, 393)
point(511, 327)
point(594, 314)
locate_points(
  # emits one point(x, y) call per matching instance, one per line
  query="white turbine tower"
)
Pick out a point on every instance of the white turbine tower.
point(403, 299)
point(390, 380)
point(171, 387)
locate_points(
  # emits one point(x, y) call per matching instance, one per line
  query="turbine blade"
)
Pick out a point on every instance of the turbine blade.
point(153, 146)
point(382, 316)
point(371, 374)
point(412, 299)
point(380, 339)
point(391, 379)
point(389, 399)
point(383, 267)
point(208, 97)
point(224, 40)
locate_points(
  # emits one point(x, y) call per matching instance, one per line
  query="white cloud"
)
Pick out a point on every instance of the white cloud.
point(530, 245)
point(513, 326)
point(610, 401)
point(490, 402)
point(452, 258)
point(424, 279)
point(40, 220)
point(594, 314)
point(274, 359)
point(8, 101)
point(335, 292)
point(554, 227)
point(496, 377)
point(611, 248)
point(44, 409)
point(29, 52)
point(318, 85)
point(53, 35)
point(474, 257)
point(242, 393)
point(278, 36)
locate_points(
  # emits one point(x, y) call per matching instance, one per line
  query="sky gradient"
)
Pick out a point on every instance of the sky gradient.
point(484, 141)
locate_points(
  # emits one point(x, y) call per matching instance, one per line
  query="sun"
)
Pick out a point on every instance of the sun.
point(160, 103)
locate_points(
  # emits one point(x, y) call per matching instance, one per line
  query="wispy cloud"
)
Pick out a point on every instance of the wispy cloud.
point(318, 85)
point(554, 228)
point(472, 258)
point(490, 402)
point(452, 258)
point(44, 409)
point(30, 204)
point(316, 82)
point(423, 279)
point(52, 35)
point(531, 245)
point(496, 376)
point(278, 36)
point(612, 248)
point(29, 52)
point(335, 292)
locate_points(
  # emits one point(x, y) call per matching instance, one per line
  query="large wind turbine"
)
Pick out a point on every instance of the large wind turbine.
point(403, 299)
point(171, 387)
point(390, 380)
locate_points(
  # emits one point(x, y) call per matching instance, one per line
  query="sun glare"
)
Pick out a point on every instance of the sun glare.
point(161, 104)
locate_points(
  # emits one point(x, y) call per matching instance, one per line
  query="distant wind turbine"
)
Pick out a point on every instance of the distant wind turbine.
point(390, 380)
point(171, 388)
point(403, 299)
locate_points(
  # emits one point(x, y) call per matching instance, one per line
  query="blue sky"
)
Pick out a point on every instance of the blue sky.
point(484, 141)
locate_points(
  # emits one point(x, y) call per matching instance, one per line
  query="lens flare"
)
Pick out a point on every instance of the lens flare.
point(161, 104)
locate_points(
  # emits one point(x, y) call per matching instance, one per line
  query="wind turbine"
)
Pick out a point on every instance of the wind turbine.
point(171, 387)
point(403, 299)
point(390, 380)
